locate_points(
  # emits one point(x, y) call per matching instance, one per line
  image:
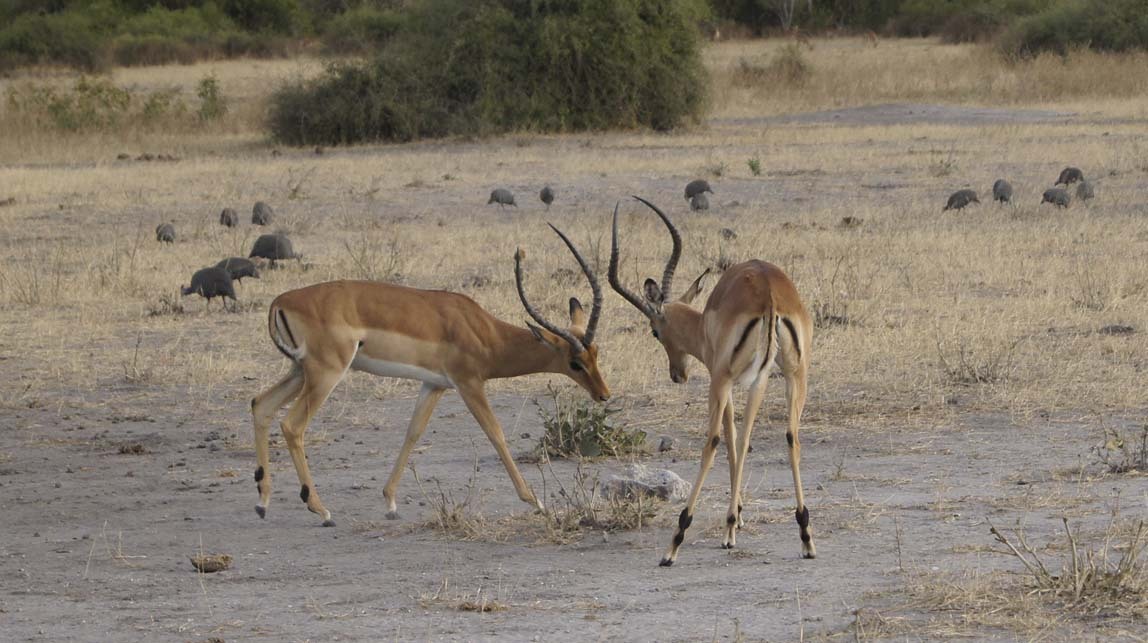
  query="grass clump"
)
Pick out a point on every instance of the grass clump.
point(458, 67)
point(1123, 454)
point(1111, 580)
point(578, 428)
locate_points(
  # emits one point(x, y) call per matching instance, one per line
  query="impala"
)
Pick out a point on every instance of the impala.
point(445, 340)
point(752, 319)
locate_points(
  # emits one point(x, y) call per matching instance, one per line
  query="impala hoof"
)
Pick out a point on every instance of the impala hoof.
point(666, 562)
point(262, 511)
point(809, 555)
point(392, 515)
point(328, 523)
point(727, 545)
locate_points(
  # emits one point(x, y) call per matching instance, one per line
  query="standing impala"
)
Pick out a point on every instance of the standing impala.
point(443, 339)
point(752, 319)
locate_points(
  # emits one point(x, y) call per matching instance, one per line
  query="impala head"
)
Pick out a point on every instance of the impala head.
point(575, 353)
point(669, 320)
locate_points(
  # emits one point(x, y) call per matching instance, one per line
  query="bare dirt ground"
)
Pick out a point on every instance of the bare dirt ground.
point(960, 377)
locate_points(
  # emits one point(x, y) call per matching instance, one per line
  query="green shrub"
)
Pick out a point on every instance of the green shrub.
point(212, 104)
point(579, 428)
point(467, 67)
point(65, 38)
point(1103, 25)
point(360, 30)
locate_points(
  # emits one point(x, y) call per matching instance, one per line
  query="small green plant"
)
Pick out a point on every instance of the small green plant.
point(754, 166)
point(213, 105)
point(578, 428)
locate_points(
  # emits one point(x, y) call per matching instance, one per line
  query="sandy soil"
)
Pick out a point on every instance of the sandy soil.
point(111, 491)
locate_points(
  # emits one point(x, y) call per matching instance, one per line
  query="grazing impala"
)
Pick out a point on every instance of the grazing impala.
point(443, 339)
point(752, 319)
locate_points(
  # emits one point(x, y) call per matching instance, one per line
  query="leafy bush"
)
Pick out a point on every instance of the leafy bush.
point(1103, 25)
point(466, 67)
point(212, 104)
point(67, 39)
point(360, 30)
point(577, 427)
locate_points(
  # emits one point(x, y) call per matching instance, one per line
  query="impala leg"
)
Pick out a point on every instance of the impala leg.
point(733, 516)
point(263, 409)
point(428, 397)
point(795, 389)
point(719, 395)
point(752, 405)
point(475, 398)
point(317, 386)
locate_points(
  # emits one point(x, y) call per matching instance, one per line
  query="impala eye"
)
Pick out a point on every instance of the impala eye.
point(575, 366)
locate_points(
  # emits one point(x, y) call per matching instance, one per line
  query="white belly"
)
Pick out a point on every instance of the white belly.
point(384, 368)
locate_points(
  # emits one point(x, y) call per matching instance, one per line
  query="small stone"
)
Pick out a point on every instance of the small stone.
point(665, 444)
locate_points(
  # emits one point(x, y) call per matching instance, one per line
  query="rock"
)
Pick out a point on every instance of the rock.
point(666, 444)
point(640, 480)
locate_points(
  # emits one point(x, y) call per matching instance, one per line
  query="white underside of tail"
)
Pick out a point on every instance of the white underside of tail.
point(758, 366)
point(280, 337)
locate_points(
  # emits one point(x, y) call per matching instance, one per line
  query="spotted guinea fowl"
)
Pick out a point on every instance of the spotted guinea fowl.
point(961, 198)
point(1002, 191)
point(699, 202)
point(229, 217)
point(165, 232)
point(502, 197)
point(273, 247)
point(1069, 175)
point(1056, 196)
point(696, 187)
point(210, 283)
point(547, 195)
point(1085, 191)
point(262, 214)
point(238, 268)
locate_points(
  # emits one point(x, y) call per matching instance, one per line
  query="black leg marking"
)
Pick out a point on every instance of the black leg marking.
point(259, 475)
point(252, 404)
point(803, 518)
point(678, 538)
point(730, 519)
point(805, 537)
point(714, 442)
point(685, 520)
point(305, 493)
point(789, 438)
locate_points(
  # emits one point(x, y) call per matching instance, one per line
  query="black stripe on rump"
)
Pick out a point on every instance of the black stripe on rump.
point(745, 335)
point(793, 333)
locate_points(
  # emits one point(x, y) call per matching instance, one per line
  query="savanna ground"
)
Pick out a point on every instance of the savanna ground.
point(965, 367)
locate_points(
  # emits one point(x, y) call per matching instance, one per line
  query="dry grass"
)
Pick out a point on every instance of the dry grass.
point(998, 308)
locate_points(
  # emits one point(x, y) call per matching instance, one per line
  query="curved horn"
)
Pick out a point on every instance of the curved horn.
point(596, 306)
point(612, 274)
point(564, 334)
point(668, 275)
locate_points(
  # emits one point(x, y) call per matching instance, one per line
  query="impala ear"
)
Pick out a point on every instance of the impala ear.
point(577, 316)
point(695, 288)
point(540, 335)
point(653, 293)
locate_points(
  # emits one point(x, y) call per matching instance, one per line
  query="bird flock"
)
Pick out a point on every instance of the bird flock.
point(1057, 196)
point(217, 281)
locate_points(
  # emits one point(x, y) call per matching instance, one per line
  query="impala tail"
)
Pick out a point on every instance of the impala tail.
point(281, 335)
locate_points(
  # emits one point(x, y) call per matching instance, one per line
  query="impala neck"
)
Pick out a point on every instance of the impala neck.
point(519, 353)
point(684, 324)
